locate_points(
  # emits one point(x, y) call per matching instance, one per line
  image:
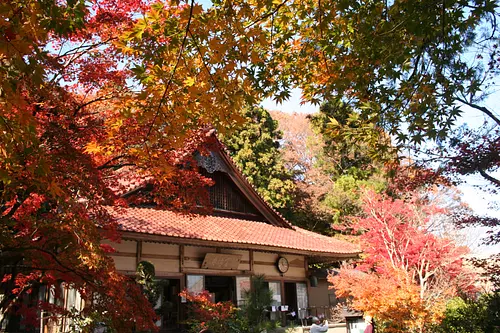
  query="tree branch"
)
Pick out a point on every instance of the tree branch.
point(480, 108)
point(489, 177)
point(103, 166)
point(263, 17)
point(99, 99)
point(181, 51)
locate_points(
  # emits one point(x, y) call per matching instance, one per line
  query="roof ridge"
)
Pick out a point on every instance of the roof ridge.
point(167, 211)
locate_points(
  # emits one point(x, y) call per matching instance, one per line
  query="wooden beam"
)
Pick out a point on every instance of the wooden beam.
point(160, 256)
point(124, 254)
point(285, 279)
point(165, 274)
point(127, 235)
point(218, 272)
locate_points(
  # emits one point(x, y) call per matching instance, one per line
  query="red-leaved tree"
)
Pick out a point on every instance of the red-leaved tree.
point(207, 314)
point(70, 117)
point(407, 274)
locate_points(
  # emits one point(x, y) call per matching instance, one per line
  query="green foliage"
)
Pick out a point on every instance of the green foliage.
point(255, 149)
point(259, 299)
point(469, 316)
point(349, 161)
point(150, 286)
point(345, 196)
point(145, 277)
point(311, 218)
point(396, 62)
point(348, 140)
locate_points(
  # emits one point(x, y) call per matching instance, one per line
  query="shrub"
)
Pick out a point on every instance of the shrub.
point(221, 317)
point(472, 316)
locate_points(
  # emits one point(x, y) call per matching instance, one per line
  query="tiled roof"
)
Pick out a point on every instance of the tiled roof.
point(127, 179)
point(227, 230)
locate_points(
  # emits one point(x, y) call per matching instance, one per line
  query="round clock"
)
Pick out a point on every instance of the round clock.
point(283, 264)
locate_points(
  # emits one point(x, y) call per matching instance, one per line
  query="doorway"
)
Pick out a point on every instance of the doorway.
point(169, 305)
point(291, 296)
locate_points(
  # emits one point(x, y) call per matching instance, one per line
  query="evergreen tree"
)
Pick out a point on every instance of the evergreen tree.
point(255, 148)
point(349, 162)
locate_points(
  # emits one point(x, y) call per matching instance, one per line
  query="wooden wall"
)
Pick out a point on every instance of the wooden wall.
point(176, 260)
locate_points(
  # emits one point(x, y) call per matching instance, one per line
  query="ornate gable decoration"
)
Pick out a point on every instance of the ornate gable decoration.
point(211, 163)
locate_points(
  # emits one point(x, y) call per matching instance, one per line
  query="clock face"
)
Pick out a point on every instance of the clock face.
point(283, 265)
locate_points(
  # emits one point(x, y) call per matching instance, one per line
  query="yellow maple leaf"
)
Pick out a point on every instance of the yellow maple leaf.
point(189, 81)
point(93, 147)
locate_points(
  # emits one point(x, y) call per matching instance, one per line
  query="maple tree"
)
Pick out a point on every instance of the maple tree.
point(66, 125)
point(408, 273)
point(89, 88)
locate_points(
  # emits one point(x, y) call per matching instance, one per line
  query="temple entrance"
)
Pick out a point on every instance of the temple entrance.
point(169, 306)
point(222, 288)
point(291, 296)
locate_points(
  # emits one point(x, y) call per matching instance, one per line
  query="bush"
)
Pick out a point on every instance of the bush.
point(469, 316)
point(259, 299)
point(220, 317)
point(225, 317)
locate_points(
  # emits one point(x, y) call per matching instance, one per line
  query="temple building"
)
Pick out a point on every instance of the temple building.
point(219, 252)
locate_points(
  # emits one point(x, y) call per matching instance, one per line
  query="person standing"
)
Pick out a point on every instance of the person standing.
point(369, 324)
point(318, 326)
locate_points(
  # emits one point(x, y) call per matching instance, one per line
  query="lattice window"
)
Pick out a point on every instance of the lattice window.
point(226, 196)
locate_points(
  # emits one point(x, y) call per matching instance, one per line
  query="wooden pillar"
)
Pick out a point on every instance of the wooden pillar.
point(251, 261)
point(283, 301)
point(65, 305)
point(181, 258)
point(138, 253)
point(308, 283)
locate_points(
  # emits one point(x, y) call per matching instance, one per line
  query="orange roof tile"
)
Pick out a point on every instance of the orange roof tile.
point(127, 179)
point(227, 230)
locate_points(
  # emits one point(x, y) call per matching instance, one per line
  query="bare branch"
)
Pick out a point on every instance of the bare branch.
point(480, 108)
point(489, 177)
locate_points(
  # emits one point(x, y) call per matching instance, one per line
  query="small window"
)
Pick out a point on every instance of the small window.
point(242, 287)
point(195, 283)
point(302, 301)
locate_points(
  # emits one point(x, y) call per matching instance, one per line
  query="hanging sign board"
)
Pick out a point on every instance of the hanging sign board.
point(221, 261)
